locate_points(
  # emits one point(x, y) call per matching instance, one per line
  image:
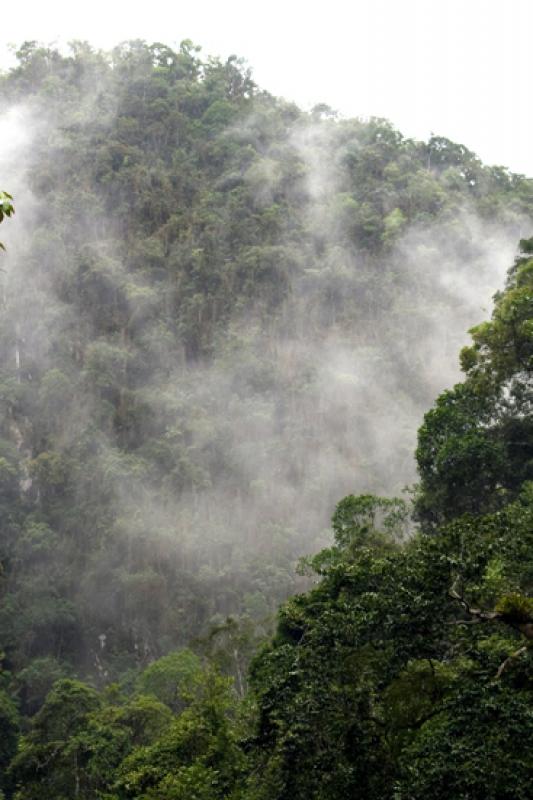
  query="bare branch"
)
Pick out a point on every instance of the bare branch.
point(477, 613)
point(503, 666)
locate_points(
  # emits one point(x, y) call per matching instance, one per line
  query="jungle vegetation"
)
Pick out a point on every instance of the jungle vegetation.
point(194, 244)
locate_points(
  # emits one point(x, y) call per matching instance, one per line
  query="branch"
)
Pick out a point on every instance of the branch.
point(477, 613)
point(503, 666)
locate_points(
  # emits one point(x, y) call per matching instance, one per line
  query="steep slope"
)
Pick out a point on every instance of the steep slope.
point(220, 315)
point(406, 671)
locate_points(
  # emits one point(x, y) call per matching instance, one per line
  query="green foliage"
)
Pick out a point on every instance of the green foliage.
point(515, 608)
point(35, 681)
point(380, 656)
point(172, 678)
point(404, 672)
point(502, 349)
point(47, 754)
point(476, 748)
point(9, 731)
point(182, 253)
point(475, 448)
point(357, 517)
point(6, 209)
point(194, 232)
point(197, 756)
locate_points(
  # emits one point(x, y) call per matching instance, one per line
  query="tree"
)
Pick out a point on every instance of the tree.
point(196, 756)
point(418, 653)
point(475, 447)
point(476, 747)
point(48, 757)
point(172, 678)
point(199, 243)
point(9, 731)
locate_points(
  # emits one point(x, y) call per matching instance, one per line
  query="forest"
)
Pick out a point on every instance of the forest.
point(266, 505)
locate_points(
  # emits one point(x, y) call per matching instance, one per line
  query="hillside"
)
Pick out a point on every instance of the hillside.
point(220, 315)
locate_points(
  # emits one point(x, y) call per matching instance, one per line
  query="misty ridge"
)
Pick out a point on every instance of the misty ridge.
point(221, 314)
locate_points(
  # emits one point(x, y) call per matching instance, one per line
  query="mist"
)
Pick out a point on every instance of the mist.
point(293, 402)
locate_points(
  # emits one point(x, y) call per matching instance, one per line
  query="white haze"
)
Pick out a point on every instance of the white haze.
point(354, 427)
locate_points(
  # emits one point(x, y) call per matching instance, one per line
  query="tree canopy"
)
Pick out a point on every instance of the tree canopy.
point(216, 293)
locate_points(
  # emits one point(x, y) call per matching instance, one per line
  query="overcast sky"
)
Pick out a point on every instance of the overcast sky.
point(458, 68)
